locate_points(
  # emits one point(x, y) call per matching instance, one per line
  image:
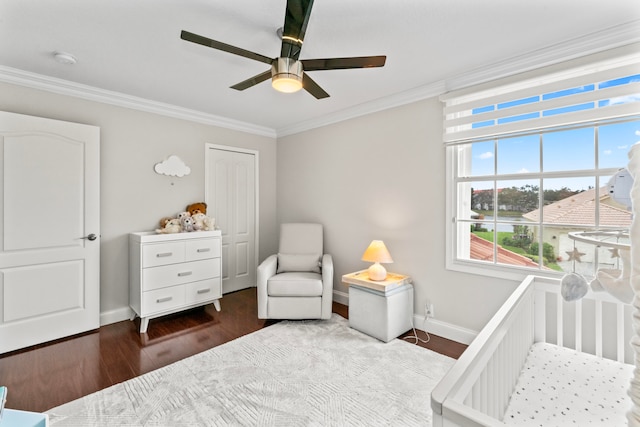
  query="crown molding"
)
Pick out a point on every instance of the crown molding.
point(610, 38)
point(392, 101)
point(65, 87)
point(620, 35)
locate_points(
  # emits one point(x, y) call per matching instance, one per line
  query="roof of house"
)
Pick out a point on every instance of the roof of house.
point(579, 209)
point(482, 249)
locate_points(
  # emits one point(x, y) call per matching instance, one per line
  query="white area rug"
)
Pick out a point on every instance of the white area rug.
point(293, 373)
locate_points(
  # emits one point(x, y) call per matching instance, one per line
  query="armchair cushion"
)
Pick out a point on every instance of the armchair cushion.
point(296, 284)
point(298, 262)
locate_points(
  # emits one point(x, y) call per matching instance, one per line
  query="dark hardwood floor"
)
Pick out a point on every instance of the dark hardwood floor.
point(44, 376)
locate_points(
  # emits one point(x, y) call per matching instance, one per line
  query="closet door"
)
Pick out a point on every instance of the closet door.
point(231, 199)
point(49, 230)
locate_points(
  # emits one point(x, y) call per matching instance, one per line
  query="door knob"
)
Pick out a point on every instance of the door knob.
point(91, 237)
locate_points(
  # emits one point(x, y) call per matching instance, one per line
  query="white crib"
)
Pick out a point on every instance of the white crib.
point(478, 388)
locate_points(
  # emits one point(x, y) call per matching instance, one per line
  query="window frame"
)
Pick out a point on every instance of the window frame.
point(456, 132)
point(493, 268)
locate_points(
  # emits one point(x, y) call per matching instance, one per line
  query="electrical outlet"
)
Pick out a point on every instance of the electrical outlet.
point(428, 310)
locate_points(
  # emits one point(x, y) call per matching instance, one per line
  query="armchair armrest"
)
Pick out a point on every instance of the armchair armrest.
point(327, 286)
point(266, 270)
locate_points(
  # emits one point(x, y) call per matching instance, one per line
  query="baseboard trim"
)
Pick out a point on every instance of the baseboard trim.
point(444, 329)
point(433, 326)
point(341, 297)
point(114, 316)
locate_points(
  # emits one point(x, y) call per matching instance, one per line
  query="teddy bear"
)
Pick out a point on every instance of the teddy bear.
point(203, 222)
point(195, 208)
point(209, 223)
point(164, 220)
point(171, 226)
point(198, 221)
point(187, 223)
point(183, 215)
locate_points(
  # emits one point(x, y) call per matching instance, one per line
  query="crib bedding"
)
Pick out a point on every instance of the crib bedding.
point(563, 387)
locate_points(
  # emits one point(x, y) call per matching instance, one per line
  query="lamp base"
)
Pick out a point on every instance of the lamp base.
point(377, 272)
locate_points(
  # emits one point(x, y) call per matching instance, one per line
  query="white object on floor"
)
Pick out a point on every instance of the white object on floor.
point(293, 373)
point(383, 315)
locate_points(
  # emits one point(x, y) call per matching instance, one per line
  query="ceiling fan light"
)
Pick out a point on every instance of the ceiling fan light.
point(286, 75)
point(287, 83)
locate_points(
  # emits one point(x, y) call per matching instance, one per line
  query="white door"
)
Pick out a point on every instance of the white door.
point(49, 229)
point(231, 200)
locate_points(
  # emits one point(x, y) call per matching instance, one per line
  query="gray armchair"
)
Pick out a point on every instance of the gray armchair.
point(297, 283)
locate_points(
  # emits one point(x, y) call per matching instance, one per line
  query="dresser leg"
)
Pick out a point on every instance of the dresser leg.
point(216, 304)
point(144, 324)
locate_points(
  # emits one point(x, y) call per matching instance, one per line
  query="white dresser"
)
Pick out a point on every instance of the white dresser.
point(173, 272)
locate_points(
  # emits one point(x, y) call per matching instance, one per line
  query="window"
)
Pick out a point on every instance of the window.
point(531, 162)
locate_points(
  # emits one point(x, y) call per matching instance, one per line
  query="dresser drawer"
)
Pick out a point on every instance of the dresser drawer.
point(174, 274)
point(163, 299)
point(204, 290)
point(202, 249)
point(163, 254)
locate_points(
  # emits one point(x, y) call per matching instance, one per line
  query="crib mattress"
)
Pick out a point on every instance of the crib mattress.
point(563, 387)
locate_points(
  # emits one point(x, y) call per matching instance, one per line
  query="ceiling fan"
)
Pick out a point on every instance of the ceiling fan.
point(288, 73)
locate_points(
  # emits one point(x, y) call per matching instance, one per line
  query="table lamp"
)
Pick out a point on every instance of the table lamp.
point(377, 252)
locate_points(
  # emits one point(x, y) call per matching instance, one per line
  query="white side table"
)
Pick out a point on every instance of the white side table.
point(382, 309)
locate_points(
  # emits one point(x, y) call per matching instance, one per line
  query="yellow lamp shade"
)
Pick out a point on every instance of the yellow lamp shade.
point(377, 253)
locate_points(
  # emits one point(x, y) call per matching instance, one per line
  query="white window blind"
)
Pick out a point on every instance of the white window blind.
point(605, 90)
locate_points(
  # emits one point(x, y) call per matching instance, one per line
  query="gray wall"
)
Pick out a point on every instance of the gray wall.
point(382, 176)
point(133, 197)
point(379, 176)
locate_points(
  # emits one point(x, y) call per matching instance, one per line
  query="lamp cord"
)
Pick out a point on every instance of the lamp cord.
point(415, 336)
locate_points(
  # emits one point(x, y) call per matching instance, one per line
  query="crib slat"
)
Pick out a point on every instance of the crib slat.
point(579, 325)
point(620, 328)
point(559, 320)
point(598, 328)
point(541, 316)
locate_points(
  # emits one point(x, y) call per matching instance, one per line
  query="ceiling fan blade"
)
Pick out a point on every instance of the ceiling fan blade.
point(295, 26)
point(194, 38)
point(252, 81)
point(313, 88)
point(343, 63)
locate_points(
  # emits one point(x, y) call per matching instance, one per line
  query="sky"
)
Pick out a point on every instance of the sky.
point(564, 150)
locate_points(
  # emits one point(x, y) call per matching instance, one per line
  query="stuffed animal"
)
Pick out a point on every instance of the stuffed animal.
point(163, 221)
point(187, 223)
point(172, 226)
point(209, 223)
point(183, 215)
point(198, 221)
point(195, 208)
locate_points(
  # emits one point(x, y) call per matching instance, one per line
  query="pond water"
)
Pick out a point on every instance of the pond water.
point(487, 223)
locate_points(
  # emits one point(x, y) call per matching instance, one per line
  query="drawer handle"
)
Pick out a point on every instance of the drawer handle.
point(185, 273)
point(164, 254)
point(203, 250)
point(165, 299)
point(204, 291)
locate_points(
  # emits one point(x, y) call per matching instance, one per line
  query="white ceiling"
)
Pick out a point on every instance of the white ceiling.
point(133, 48)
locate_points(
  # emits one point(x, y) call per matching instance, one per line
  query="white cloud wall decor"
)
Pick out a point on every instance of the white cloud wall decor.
point(172, 166)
